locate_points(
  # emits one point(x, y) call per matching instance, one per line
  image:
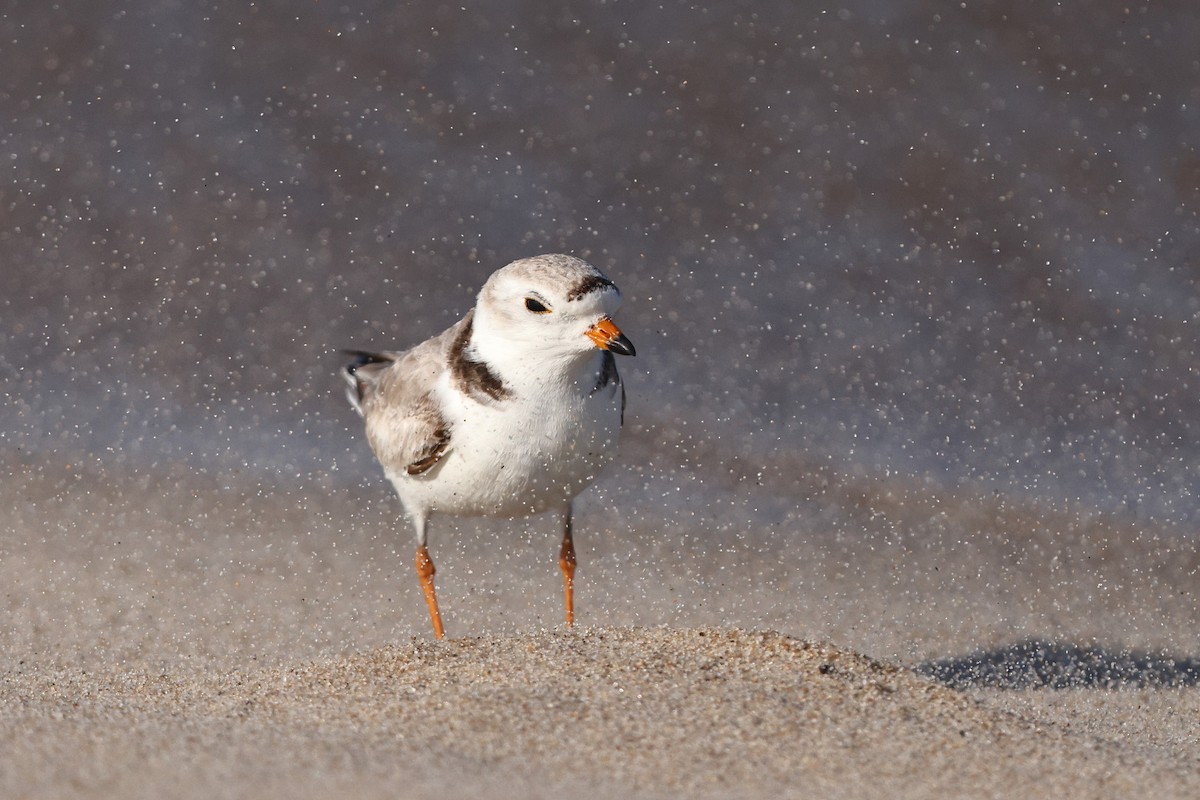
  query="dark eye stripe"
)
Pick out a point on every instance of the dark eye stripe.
point(535, 306)
point(589, 284)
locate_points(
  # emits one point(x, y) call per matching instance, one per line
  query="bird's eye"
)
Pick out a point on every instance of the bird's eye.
point(535, 306)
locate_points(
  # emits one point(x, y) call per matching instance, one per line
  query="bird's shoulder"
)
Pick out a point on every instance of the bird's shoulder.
point(406, 423)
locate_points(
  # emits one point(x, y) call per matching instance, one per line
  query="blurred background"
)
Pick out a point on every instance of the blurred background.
point(879, 260)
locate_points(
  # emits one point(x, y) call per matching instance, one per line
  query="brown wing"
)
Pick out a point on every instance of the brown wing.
point(395, 395)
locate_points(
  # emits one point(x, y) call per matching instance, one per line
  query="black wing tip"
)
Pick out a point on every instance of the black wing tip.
point(364, 357)
point(356, 389)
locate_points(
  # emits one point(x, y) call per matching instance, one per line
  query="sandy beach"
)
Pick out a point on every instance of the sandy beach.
point(905, 502)
point(601, 712)
point(189, 649)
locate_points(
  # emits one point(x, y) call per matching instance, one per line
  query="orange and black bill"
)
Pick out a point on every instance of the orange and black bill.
point(607, 336)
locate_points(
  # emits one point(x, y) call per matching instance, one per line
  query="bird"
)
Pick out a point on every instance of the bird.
point(510, 412)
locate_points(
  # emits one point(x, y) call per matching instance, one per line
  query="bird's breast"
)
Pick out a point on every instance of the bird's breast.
point(527, 453)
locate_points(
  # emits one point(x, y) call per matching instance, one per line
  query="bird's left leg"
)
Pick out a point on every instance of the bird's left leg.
point(566, 562)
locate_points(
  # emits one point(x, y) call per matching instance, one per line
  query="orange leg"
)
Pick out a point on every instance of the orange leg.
point(566, 561)
point(425, 572)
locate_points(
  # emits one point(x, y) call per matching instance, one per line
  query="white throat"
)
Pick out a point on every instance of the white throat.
point(527, 362)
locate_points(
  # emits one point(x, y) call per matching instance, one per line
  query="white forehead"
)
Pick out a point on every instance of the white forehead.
point(556, 275)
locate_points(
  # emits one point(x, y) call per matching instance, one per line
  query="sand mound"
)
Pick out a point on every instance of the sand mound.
point(599, 712)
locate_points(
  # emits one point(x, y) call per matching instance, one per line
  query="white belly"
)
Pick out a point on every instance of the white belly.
point(520, 456)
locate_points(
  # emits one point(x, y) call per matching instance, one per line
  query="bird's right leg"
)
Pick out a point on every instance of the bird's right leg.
point(426, 571)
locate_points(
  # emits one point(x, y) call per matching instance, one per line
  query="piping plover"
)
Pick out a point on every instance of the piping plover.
point(511, 411)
